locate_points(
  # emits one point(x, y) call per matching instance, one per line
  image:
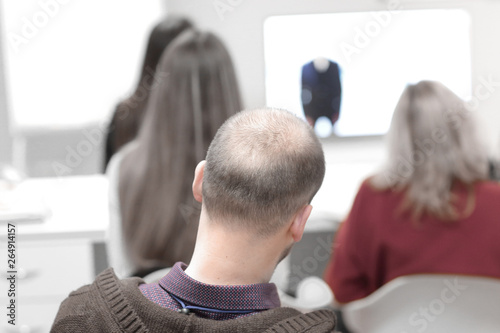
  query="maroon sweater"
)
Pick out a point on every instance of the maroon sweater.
point(377, 244)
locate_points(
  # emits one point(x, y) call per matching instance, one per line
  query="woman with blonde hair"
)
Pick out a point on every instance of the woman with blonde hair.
point(430, 210)
point(154, 217)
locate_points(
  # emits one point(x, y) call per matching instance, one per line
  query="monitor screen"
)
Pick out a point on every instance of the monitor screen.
point(345, 72)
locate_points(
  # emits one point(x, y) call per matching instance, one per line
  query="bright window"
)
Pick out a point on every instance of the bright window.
point(69, 62)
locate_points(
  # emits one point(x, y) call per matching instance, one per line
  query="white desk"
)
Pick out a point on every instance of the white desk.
point(78, 205)
point(55, 256)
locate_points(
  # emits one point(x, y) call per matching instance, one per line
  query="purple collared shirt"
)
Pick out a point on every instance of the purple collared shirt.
point(253, 297)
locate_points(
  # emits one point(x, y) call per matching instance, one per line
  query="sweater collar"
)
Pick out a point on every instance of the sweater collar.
point(133, 313)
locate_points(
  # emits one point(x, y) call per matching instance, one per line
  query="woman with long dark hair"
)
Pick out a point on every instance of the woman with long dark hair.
point(128, 114)
point(155, 211)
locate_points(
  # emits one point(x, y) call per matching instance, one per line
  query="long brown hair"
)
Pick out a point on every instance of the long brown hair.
point(129, 112)
point(198, 93)
point(433, 144)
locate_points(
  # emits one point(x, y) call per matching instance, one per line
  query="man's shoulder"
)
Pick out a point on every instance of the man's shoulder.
point(320, 321)
point(87, 308)
point(75, 310)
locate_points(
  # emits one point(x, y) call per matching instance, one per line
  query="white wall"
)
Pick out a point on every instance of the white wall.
point(240, 24)
point(5, 139)
point(65, 65)
point(74, 59)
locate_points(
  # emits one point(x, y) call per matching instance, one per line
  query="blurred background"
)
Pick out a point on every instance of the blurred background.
point(65, 64)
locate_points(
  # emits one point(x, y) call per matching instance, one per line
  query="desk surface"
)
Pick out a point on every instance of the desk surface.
point(78, 205)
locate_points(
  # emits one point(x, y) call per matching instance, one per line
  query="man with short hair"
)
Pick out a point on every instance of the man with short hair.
point(261, 172)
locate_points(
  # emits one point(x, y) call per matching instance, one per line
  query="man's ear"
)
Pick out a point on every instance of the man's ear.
point(299, 222)
point(198, 181)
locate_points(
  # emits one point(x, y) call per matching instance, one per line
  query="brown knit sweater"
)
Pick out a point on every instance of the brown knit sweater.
point(112, 305)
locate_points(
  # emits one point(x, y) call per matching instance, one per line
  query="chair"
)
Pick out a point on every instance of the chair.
point(428, 303)
point(310, 257)
point(312, 294)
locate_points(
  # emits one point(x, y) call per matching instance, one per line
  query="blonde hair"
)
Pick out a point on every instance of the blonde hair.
point(433, 142)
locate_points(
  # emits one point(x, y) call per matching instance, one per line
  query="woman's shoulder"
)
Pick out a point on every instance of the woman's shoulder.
point(124, 151)
point(489, 187)
point(113, 168)
point(372, 198)
point(372, 185)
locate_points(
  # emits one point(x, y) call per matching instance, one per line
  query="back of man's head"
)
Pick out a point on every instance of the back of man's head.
point(262, 167)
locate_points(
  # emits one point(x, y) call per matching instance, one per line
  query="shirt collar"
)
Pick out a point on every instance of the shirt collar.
point(261, 296)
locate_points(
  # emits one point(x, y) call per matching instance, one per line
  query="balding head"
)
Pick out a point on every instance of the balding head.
point(262, 167)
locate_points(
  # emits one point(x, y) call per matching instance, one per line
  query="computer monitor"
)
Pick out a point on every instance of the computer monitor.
point(370, 58)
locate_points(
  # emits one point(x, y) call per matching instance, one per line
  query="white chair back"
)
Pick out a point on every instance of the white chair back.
point(312, 294)
point(430, 304)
